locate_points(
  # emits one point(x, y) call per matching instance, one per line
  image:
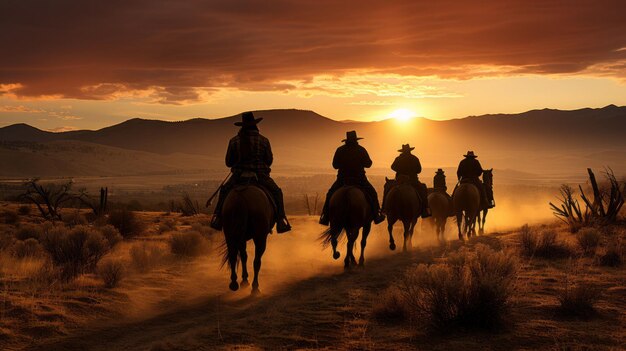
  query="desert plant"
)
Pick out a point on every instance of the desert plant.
point(24, 210)
point(49, 197)
point(99, 206)
point(28, 231)
point(75, 251)
point(167, 225)
point(146, 256)
point(187, 244)
point(9, 217)
point(111, 233)
point(613, 255)
point(588, 240)
point(529, 240)
point(390, 305)
point(579, 300)
point(471, 290)
point(27, 248)
point(126, 222)
point(111, 272)
point(74, 218)
point(545, 244)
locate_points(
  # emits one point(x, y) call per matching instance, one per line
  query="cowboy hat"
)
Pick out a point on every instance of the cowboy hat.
point(470, 154)
point(406, 148)
point(351, 136)
point(247, 119)
point(439, 171)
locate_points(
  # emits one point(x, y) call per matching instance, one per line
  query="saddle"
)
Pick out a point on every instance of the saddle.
point(251, 178)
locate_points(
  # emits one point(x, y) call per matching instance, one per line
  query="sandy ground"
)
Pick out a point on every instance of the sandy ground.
point(307, 302)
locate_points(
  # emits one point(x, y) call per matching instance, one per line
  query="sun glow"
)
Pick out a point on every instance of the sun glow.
point(402, 114)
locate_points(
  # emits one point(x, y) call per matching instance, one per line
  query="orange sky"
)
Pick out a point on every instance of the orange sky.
point(88, 64)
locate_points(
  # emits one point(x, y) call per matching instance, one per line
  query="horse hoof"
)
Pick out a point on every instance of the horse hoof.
point(361, 265)
point(244, 284)
point(336, 255)
point(234, 286)
point(392, 246)
point(255, 292)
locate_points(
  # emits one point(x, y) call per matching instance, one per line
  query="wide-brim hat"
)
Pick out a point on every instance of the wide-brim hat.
point(439, 171)
point(406, 148)
point(247, 119)
point(470, 154)
point(351, 136)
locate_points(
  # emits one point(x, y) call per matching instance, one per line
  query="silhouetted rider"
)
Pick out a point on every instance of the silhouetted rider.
point(439, 185)
point(408, 166)
point(470, 171)
point(350, 160)
point(249, 151)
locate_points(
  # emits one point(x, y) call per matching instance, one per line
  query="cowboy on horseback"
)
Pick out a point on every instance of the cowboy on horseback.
point(350, 160)
point(250, 152)
point(407, 167)
point(470, 171)
point(439, 185)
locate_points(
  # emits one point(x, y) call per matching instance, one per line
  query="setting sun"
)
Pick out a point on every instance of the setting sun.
point(402, 114)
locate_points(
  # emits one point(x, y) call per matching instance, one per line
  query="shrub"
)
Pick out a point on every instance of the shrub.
point(471, 290)
point(613, 256)
point(6, 240)
point(111, 272)
point(126, 222)
point(24, 210)
point(167, 226)
point(10, 217)
point(27, 248)
point(579, 300)
point(588, 240)
point(145, 256)
point(74, 218)
point(112, 235)
point(545, 245)
point(75, 251)
point(187, 244)
point(391, 305)
point(29, 231)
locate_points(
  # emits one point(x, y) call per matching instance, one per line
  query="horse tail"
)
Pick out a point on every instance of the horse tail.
point(338, 224)
point(241, 225)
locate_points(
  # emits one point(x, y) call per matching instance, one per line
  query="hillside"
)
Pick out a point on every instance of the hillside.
point(540, 141)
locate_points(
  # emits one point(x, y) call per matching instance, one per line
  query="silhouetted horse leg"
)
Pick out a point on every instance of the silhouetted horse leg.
point(244, 264)
point(336, 253)
point(364, 234)
point(406, 225)
point(392, 243)
point(411, 232)
point(481, 227)
point(232, 260)
point(459, 223)
point(349, 250)
point(259, 249)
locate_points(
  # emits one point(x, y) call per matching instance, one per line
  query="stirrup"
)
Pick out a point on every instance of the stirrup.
point(282, 225)
point(324, 219)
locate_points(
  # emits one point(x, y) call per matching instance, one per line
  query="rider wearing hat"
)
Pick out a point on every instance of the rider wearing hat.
point(407, 166)
point(350, 160)
point(249, 151)
point(470, 170)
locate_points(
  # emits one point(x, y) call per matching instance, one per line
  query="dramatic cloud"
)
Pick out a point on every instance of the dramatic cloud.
point(170, 51)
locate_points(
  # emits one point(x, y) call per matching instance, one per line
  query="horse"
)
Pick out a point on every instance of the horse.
point(466, 200)
point(248, 214)
point(440, 209)
point(348, 212)
point(488, 181)
point(401, 203)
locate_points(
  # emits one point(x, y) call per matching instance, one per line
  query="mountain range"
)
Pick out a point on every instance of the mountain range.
point(543, 141)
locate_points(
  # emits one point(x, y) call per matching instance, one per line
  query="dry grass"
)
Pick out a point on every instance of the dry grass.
point(545, 244)
point(111, 272)
point(188, 244)
point(74, 218)
point(27, 248)
point(145, 256)
point(29, 231)
point(9, 217)
point(24, 210)
point(167, 225)
point(470, 290)
point(579, 300)
point(588, 239)
point(126, 222)
point(391, 306)
point(613, 255)
point(112, 235)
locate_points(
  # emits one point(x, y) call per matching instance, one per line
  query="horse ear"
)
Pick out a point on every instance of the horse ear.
point(386, 179)
point(491, 170)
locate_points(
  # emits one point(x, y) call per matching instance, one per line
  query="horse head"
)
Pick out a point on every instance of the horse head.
point(488, 177)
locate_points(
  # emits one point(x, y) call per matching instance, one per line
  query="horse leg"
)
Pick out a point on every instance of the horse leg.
point(459, 222)
point(232, 262)
point(333, 242)
point(259, 249)
point(364, 234)
point(406, 225)
point(243, 254)
point(392, 244)
point(411, 231)
point(349, 248)
point(482, 230)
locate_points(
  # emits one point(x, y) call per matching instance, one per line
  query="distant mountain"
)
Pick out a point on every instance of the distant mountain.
point(550, 141)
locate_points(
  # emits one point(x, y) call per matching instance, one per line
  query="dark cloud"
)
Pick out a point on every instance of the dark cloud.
point(96, 49)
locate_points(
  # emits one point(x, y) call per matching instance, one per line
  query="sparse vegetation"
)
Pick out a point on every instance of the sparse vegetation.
point(24, 210)
point(613, 255)
point(187, 244)
point(126, 222)
point(391, 305)
point(74, 218)
point(470, 290)
point(28, 231)
point(545, 245)
point(9, 217)
point(579, 300)
point(167, 225)
point(588, 240)
point(145, 257)
point(111, 272)
point(48, 197)
point(27, 248)
point(111, 233)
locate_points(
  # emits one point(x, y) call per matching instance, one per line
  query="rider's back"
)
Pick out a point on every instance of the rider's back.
point(249, 150)
point(351, 159)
